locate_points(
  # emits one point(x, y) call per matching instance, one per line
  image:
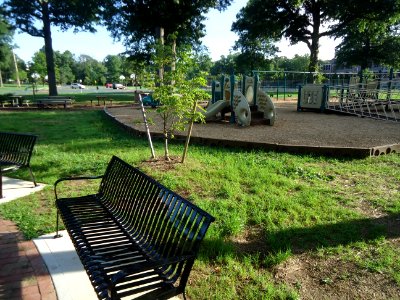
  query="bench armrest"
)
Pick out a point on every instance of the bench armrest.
point(142, 267)
point(73, 178)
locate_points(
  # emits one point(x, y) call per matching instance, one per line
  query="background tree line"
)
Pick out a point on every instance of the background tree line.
point(369, 31)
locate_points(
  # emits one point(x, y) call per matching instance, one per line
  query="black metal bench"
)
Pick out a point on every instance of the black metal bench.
point(134, 236)
point(15, 153)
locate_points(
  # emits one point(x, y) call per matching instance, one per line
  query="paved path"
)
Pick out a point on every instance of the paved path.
point(23, 274)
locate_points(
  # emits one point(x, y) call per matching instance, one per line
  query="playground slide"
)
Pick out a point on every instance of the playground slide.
point(242, 109)
point(266, 105)
point(215, 108)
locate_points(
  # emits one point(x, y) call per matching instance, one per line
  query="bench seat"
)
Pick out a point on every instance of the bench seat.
point(54, 101)
point(134, 237)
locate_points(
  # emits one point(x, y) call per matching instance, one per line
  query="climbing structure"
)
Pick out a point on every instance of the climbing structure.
point(374, 98)
point(245, 105)
point(366, 101)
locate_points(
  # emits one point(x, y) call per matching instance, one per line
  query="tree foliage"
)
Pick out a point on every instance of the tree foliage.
point(297, 63)
point(177, 92)
point(368, 43)
point(113, 63)
point(135, 22)
point(5, 44)
point(306, 21)
point(36, 17)
point(254, 53)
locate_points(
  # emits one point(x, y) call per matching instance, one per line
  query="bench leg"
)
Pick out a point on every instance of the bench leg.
point(58, 220)
point(1, 184)
point(33, 177)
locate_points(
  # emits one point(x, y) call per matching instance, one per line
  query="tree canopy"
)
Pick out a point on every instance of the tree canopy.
point(135, 22)
point(5, 44)
point(366, 43)
point(307, 21)
point(36, 17)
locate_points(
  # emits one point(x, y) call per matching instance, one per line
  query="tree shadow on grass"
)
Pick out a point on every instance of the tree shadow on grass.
point(300, 240)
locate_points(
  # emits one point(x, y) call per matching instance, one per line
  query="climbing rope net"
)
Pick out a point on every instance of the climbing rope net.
point(372, 100)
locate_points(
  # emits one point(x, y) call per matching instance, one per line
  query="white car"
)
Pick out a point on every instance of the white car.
point(118, 86)
point(77, 86)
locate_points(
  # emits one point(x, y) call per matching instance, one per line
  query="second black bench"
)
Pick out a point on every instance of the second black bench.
point(134, 236)
point(15, 153)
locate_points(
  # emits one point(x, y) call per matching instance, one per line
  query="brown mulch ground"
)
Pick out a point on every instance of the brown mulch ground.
point(291, 128)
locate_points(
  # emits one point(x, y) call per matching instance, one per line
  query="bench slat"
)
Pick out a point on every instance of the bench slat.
point(133, 222)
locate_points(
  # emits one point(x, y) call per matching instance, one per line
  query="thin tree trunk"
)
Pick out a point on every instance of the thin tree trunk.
point(165, 131)
point(173, 63)
point(48, 48)
point(1, 80)
point(189, 133)
point(16, 70)
point(160, 38)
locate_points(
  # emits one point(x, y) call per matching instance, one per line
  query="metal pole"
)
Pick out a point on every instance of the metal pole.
point(284, 86)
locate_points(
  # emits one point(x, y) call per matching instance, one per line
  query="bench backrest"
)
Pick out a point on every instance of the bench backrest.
point(59, 97)
point(164, 224)
point(16, 148)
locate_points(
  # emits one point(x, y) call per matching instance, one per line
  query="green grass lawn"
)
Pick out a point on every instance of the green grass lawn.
point(81, 97)
point(269, 207)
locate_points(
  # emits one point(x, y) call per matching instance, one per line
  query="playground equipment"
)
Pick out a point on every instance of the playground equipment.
point(242, 105)
point(312, 96)
point(375, 97)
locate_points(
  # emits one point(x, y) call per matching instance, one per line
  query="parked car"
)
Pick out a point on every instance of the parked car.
point(109, 85)
point(118, 86)
point(77, 86)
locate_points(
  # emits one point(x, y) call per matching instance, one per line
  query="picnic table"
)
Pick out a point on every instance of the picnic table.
point(15, 101)
point(101, 99)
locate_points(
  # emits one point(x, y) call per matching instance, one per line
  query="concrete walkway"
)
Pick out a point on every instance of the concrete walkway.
point(69, 277)
point(15, 188)
point(42, 269)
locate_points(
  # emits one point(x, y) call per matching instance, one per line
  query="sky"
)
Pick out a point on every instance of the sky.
point(219, 40)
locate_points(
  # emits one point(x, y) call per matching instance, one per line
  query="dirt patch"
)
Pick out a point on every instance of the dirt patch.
point(162, 164)
point(327, 277)
point(332, 278)
point(251, 241)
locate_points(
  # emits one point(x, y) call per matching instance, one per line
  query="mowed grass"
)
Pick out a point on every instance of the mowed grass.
point(269, 207)
point(81, 97)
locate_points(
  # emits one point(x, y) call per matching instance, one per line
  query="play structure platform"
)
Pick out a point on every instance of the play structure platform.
point(306, 132)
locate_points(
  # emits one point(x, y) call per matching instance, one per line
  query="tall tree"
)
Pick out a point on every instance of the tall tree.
point(91, 71)
point(65, 64)
point(225, 65)
point(137, 23)
point(113, 64)
point(297, 63)
point(36, 17)
point(254, 54)
point(38, 63)
point(370, 43)
point(306, 21)
point(5, 45)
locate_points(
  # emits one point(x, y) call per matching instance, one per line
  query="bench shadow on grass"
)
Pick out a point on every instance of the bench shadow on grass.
point(300, 240)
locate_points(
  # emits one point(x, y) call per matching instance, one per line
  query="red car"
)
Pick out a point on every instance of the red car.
point(109, 85)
